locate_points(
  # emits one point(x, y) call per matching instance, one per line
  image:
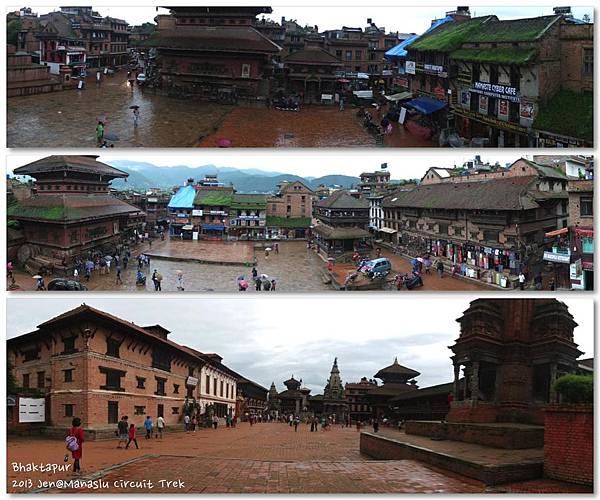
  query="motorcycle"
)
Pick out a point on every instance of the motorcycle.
point(413, 282)
point(140, 280)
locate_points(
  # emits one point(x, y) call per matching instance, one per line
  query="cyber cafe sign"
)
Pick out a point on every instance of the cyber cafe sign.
point(496, 90)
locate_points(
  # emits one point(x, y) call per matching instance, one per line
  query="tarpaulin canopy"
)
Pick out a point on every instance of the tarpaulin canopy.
point(558, 232)
point(214, 227)
point(183, 198)
point(399, 51)
point(399, 97)
point(426, 105)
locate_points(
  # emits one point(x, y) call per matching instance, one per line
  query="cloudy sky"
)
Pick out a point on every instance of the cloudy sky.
point(336, 14)
point(270, 340)
point(309, 163)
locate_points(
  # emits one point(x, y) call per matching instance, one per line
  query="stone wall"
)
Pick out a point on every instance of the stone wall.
point(569, 443)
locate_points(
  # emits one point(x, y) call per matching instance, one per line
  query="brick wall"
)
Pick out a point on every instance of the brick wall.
point(569, 443)
point(578, 189)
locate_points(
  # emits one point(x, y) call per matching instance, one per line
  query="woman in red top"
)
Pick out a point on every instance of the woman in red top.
point(77, 431)
point(131, 435)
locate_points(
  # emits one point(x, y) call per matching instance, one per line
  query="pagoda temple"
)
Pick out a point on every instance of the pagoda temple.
point(70, 211)
point(397, 379)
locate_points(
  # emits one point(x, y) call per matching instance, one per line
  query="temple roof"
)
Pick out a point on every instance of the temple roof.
point(341, 233)
point(396, 368)
point(69, 207)
point(70, 163)
point(214, 39)
point(341, 199)
point(312, 55)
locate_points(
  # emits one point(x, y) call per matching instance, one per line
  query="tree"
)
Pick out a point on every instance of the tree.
point(11, 382)
point(12, 31)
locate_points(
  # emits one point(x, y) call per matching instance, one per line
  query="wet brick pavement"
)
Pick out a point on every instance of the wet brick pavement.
point(68, 119)
point(264, 458)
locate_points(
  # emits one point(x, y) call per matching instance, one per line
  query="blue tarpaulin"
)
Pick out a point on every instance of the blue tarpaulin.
point(213, 227)
point(426, 105)
point(183, 198)
point(399, 51)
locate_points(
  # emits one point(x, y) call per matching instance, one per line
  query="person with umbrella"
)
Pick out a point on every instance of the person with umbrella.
point(100, 132)
point(40, 285)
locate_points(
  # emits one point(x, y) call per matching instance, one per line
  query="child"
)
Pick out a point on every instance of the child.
point(75, 444)
point(131, 435)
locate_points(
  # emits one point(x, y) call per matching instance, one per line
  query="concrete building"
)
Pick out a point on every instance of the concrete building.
point(89, 364)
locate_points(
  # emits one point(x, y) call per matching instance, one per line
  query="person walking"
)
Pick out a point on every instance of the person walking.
point(254, 273)
point(375, 425)
point(296, 422)
point(186, 423)
point(342, 103)
point(440, 268)
point(160, 426)
point(100, 133)
point(118, 270)
point(215, 422)
point(136, 116)
point(148, 424)
point(131, 436)
point(194, 423)
point(75, 444)
point(522, 281)
point(122, 430)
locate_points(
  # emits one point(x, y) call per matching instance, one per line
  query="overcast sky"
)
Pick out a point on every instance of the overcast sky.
point(270, 340)
point(309, 163)
point(347, 13)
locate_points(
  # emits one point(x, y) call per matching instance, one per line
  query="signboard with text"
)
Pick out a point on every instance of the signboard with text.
point(526, 110)
point(483, 104)
point(32, 410)
point(411, 67)
point(496, 90)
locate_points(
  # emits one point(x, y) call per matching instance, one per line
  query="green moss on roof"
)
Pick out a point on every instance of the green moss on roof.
point(515, 30)
point(448, 36)
point(45, 213)
point(498, 55)
point(214, 198)
point(273, 221)
point(249, 201)
point(568, 113)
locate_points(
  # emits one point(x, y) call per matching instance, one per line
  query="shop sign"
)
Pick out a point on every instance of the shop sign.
point(547, 140)
point(465, 98)
point(503, 108)
point(401, 82)
point(561, 258)
point(195, 213)
point(496, 90)
point(483, 104)
point(411, 67)
point(526, 110)
point(433, 69)
point(575, 270)
point(191, 381)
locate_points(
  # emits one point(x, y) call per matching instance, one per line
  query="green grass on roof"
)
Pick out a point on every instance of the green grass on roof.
point(447, 37)
point(215, 199)
point(45, 213)
point(515, 30)
point(273, 221)
point(568, 113)
point(498, 55)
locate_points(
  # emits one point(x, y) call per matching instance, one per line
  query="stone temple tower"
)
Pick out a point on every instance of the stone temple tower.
point(334, 400)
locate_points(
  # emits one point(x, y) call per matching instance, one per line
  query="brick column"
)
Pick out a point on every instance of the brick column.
point(456, 377)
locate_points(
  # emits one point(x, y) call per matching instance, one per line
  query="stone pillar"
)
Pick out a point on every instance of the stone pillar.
point(456, 378)
point(297, 407)
point(552, 393)
point(475, 381)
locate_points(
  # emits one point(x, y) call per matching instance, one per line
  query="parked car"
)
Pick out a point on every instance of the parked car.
point(381, 266)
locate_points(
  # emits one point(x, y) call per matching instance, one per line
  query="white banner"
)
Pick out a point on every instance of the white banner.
point(32, 410)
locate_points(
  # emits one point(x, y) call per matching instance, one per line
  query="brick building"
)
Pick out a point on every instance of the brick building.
point(70, 211)
point(289, 211)
point(252, 398)
point(489, 225)
point(248, 216)
point(213, 52)
point(359, 407)
point(96, 366)
point(506, 81)
point(343, 222)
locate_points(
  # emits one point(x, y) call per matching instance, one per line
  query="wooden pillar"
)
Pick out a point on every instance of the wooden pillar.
point(456, 378)
point(475, 381)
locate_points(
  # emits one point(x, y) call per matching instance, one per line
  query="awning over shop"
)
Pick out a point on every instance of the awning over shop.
point(388, 230)
point(213, 227)
point(426, 105)
point(558, 232)
point(399, 97)
point(188, 227)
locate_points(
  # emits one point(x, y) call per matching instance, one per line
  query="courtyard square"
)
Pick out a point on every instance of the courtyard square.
point(264, 458)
